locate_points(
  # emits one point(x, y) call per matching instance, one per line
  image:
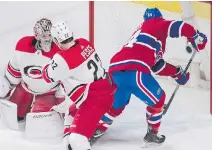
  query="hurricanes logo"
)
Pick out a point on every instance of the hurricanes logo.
point(33, 72)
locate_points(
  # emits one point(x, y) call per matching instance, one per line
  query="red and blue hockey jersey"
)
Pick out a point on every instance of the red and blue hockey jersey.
point(144, 50)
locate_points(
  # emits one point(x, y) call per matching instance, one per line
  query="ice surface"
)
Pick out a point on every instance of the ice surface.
point(186, 126)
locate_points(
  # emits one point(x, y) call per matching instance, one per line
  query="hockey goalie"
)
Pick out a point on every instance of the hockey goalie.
point(24, 95)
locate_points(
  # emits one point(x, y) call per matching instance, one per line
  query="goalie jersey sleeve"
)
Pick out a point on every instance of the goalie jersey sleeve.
point(13, 73)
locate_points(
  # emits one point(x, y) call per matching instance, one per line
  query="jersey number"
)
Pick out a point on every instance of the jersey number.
point(93, 64)
point(54, 64)
point(133, 39)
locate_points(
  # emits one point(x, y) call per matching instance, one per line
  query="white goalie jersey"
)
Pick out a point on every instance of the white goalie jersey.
point(26, 67)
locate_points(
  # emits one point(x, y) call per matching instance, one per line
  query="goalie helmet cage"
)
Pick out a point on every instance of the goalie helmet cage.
point(92, 38)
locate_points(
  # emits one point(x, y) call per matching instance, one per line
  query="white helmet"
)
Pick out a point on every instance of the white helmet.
point(42, 33)
point(61, 31)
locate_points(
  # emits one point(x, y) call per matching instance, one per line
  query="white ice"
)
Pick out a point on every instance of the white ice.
point(187, 125)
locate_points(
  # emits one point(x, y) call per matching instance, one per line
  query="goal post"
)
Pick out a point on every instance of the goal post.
point(91, 21)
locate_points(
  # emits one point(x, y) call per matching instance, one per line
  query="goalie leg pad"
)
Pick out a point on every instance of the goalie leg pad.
point(23, 99)
point(9, 114)
point(43, 125)
point(43, 103)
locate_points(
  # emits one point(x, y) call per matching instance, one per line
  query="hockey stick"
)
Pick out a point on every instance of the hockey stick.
point(166, 106)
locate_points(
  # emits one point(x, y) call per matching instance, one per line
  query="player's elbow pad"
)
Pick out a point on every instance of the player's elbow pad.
point(159, 66)
point(163, 68)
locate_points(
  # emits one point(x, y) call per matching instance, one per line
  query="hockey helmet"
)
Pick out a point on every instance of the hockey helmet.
point(152, 13)
point(42, 33)
point(61, 32)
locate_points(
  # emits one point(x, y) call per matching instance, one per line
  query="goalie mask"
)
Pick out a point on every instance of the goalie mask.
point(42, 34)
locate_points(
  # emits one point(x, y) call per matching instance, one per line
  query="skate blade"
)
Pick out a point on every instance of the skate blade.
point(98, 135)
point(94, 139)
point(148, 145)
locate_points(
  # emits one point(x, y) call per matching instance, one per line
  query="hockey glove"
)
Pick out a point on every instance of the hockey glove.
point(181, 77)
point(198, 41)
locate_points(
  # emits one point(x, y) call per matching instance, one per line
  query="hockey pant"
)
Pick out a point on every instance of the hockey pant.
point(143, 86)
point(98, 101)
point(28, 102)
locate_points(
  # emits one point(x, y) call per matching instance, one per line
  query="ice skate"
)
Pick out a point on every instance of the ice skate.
point(152, 139)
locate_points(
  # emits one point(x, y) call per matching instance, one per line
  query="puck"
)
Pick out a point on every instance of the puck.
point(188, 49)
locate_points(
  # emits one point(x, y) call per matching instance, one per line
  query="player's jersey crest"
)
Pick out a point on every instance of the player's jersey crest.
point(33, 71)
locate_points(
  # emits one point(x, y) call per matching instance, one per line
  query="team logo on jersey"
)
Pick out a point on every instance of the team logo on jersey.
point(34, 72)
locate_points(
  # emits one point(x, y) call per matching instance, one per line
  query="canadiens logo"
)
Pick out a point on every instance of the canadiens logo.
point(34, 72)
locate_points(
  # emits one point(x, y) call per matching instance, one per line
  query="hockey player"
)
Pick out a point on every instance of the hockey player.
point(86, 83)
point(23, 74)
point(140, 56)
